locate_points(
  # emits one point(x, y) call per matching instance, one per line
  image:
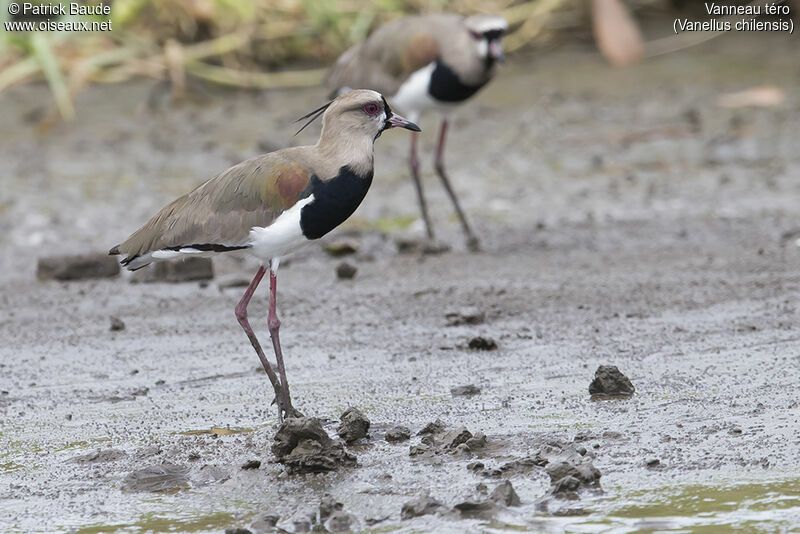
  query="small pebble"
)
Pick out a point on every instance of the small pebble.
point(252, 464)
point(345, 271)
point(397, 434)
point(465, 391)
point(482, 343)
point(117, 324)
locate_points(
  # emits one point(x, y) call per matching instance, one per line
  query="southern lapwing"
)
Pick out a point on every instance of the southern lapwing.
point(426, 62)
point(272, 205)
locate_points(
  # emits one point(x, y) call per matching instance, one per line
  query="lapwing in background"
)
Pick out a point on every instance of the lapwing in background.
point(423, 62)
point(272, 205)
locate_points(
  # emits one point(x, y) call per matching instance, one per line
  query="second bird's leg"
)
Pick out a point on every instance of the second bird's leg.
point(472, 241)
point(274, 325)
point(413, 162)
point(241, 316)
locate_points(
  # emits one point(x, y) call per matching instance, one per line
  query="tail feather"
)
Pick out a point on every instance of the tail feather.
point(134, 263)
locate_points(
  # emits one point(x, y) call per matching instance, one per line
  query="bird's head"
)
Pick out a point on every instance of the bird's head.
point(360, 112)
point(487, 33)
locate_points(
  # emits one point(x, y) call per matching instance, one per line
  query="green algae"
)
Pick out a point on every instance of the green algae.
point(156, 523)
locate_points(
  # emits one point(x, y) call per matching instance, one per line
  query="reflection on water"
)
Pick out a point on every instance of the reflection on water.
point(772, 505)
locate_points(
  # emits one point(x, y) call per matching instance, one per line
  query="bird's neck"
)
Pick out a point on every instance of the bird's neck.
point(355, 152)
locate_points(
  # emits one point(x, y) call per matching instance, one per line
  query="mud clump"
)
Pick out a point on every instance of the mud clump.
point(562, 474)
point(476, 442)
point(465, 391)
point(303, 446)
point(77, 267)
point(505, 495)
point(265, 523)
point(333, 517)
point(346, 271)
point(569, 473)
point(398, 434)
point(117, 325)
point(456, 437)
point(341, 522)
point(520, 466)
point(436, 439)
point(432, 428)
point(421, 506)
point(476, 508)
point(354, 425)
point(482, 343)
point(482, 506)
point(166, 478)
point(328, 506)
point(424, 246)
point(609, 381)
point(232, 281)
point(187, 270)
point(471, 316)
point(343, 247)
point(210, 474)
point(99, 456)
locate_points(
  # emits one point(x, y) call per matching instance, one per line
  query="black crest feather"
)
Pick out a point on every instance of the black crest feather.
point(314, 116)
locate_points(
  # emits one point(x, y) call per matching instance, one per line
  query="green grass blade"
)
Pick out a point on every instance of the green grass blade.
point(52, 72)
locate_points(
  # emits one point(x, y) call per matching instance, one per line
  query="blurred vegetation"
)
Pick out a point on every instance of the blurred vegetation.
point(237, 42)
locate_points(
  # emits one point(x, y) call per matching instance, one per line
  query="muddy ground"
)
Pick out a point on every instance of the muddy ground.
point(626, 219)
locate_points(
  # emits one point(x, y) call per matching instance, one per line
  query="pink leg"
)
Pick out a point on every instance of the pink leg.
point(274, 325)
point(472, 241)
point(241, 316)
point(413, 162)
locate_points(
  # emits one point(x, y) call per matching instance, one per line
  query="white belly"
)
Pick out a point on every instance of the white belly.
point(281, 237)
point(413, 97)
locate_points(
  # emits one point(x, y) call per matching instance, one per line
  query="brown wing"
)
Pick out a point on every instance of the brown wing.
point(392, 53)
point(222, 211)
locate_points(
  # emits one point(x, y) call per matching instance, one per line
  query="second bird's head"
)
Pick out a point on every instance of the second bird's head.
point(487, 33)
point(359, 112)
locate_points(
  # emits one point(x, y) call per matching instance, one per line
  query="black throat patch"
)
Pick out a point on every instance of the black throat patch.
point(445, 85)
point(334, 201)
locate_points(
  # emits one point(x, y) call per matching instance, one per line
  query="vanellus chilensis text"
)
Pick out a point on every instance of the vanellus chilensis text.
point(426, 62)
point(272, 205)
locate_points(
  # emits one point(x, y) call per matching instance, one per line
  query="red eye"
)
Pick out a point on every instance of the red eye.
point(475, 35)
point(371, 109)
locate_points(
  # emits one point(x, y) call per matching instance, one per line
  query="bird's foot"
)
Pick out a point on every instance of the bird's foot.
point(284, 413)
point(473, 244)
point(292, 413)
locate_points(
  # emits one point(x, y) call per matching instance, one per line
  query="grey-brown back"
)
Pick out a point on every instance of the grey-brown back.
point(397, 49)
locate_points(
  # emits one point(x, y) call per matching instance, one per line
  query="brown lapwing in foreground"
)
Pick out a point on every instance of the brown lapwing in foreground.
point(272, 205)
point(426, 62)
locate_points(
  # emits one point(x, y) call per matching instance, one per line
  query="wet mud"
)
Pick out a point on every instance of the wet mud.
point(626, 220)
